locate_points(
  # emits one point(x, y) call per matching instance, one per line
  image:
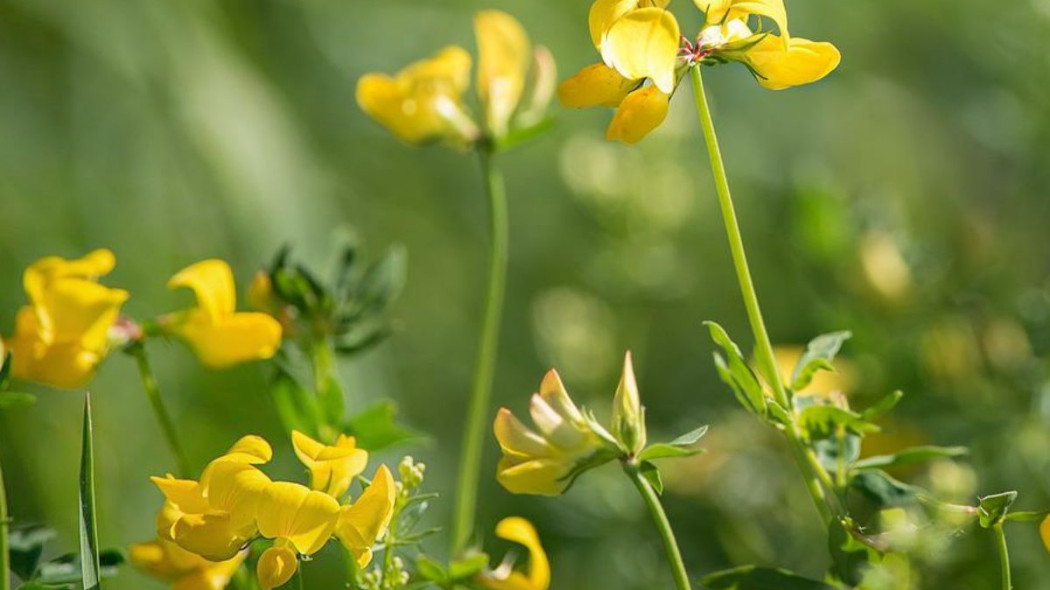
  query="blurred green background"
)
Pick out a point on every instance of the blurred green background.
point(905, 197)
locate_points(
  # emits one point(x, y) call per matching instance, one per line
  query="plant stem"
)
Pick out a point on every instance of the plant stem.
point(813, 473)
point(149, 384)
point(478, 412)
point(5, 563)
point(1004, 556)
point(656, 510)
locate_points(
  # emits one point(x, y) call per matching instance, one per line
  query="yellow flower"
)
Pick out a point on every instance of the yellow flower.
point(300, 521)
point(778, 61)
point(63, 334)
point(425, 101)
point(332, 468)
point(186, 571)
point(364, 521)
point(216, 517)
point(520, 531)
point(219, 335)
point(568, 442)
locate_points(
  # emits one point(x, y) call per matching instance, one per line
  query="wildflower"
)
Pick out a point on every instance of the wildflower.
point(63, 334)
point(332, 468)
point(425, 101)
point(520, 531)
point(219, 335)
point(186, 571)
point(628, 417)
point(367, 519)
point(300, 521)
point(568, 443)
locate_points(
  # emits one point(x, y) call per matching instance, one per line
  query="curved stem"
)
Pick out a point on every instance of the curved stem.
point(656, 510)
point(478, 413)
point(1004, 556)
point(5, 560)
point(149, 384)
point(811, 469)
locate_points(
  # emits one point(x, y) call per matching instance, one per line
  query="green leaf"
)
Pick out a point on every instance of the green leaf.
point(520, 135)
point(295, 406)
point(735, 372)
point(992, 509)
point(665, 451)
point(5, 367)
point(26, 545)
point(382, 282)
point(909, 457)
point(652, 475)
point(1026, 516)
point(750, 577)
point(883, 406)
point(90, 570)
point(330, 397)
point(822, 421)
point(467, 567)
point(818, 356)
point(376, 427)
point(66, 569)
point(431, 569)
point(849, 557)
point(690, 438)
point(14, 399)
point(883, 490)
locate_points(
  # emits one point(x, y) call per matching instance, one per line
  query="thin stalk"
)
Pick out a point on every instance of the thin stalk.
point(812, 472)
point(149, 384)
point(5, 560)
point(656, 510)
point(1004, 556)
point(485, 365)
point(299, 577)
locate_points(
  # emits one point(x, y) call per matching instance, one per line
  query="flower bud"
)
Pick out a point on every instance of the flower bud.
point(628, 417)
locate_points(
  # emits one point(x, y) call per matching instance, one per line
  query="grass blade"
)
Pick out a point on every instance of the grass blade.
point(88, 532)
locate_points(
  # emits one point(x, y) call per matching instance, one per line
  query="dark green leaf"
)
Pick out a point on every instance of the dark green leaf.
point(818, 356)
point(376, 427)
point(992, 509)
point(828, 450)
point(910, 456)
point(822, 421)
point(383, 281)
point(349, 346)
point(652, 475)
point(297, 409)
point(883, 406)
point(25, 545)
point(14, 399)
point(690, 438)
point(735, 372)
point(750, 577)
point(467, 567)
point(666, 450)
point(883, 490)
point(90, 571)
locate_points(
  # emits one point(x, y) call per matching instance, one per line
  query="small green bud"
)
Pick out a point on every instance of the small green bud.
point(628, 417)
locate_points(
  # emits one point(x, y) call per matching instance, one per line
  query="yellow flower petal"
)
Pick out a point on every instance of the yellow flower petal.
point(64, 365)
point(361, 523)
point(276, 566)
point(235, 488)
point(503, 61)
point(719, 11)
point(212, 283)
point(187, 571)
point(642, 111)
point(238, 338)
point(304, 517)
point(596, 84)
point(212, 536)
point(603, 14)
point(521, 531)
point(644, 44)
point(552, 390)
point(543, 477)
point(184, 494)
point(802, 62)
point(251, 449)
point(518, 440)
point(1044, 532)
point(332, 468)
point(45, 271)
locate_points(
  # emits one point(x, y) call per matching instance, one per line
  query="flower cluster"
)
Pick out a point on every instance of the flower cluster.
point(205, 525)
point(425, 102)
point(567, 440)
point(72, 321)
point(644, 56)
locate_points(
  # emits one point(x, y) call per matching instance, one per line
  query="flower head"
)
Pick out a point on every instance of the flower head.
point(219, 335)
point(63, 333)
point(538, 575)
point(332, 468)
point(426, 102)
point(184, 570)
point(567, 443)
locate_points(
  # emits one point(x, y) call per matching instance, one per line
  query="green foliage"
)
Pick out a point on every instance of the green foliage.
point(679, 447)
point(90, 569)
point(750, 577)
point(735, 372)
point(376, 427)
point(992, 509)
point(27, 545)
point(819, 354)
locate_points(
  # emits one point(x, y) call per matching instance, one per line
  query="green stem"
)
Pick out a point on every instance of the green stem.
point(656, 510)
point(149, 384)
point(478, 412)
point(5, 563)
point(811, 469)
point(1004, 556)
point(299, 577)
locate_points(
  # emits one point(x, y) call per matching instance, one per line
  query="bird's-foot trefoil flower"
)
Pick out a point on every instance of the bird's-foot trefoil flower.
point(567, 442)
point(64, 332)
point(538, 574)
point(220, 335)
point(332, 468)
point(426, 101)
point(167, 561)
